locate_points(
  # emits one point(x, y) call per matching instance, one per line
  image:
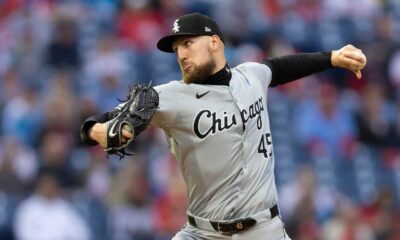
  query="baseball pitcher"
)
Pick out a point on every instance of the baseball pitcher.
point(216, 122)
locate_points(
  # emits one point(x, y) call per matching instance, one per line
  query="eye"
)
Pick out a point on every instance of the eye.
point(188, 43)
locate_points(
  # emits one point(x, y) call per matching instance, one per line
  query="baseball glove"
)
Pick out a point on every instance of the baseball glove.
point(134, 114)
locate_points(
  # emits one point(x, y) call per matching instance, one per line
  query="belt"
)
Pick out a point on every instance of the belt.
point(230, 227)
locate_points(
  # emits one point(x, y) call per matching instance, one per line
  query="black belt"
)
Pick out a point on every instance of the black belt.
point(232, 227)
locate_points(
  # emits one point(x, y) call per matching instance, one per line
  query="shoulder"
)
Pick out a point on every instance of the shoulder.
point(169, 86)
point(255, 70)
point(168, 104)
point(252, 66)
point(168, 91)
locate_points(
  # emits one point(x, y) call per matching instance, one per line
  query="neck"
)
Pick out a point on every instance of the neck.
point(220, 77)
point(220, 63)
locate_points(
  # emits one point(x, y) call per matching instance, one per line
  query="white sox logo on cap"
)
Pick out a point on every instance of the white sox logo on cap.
point(193, 24)
point(176, 27)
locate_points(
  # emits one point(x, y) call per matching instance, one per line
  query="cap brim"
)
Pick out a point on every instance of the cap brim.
point(165, 43)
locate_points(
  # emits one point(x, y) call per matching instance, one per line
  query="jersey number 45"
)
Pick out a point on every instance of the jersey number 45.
point(264, 142)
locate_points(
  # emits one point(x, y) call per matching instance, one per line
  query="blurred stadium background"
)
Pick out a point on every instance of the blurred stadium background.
point(337, 139)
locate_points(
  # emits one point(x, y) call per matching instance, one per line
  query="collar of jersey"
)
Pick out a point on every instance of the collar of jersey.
point(222, 77)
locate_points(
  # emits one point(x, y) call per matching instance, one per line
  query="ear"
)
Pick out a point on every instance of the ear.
point(215, 42)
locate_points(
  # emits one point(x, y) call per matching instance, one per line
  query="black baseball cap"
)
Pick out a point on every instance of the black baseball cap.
point(193, 24)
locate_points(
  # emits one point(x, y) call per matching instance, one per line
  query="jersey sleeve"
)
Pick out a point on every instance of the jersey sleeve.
point(168, 106)
point(261, 71)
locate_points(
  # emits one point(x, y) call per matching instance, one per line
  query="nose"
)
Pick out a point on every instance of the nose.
point(181, 53)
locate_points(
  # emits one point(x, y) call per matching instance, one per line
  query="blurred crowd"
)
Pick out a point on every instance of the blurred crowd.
point(337, 139)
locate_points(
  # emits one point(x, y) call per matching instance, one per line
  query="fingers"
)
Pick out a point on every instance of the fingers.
point(358, 74)
point(356, 60)
point(351, 58)
point(352, 64)
point(356, 55)
point(126, 133)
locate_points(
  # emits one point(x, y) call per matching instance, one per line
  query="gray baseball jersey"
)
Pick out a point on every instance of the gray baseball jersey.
point(221, 137)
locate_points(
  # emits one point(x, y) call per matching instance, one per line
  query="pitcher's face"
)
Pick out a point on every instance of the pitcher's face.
point(194, 57)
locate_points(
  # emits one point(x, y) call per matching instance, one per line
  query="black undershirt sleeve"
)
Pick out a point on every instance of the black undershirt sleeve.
point(89, 122)
point(292, 67)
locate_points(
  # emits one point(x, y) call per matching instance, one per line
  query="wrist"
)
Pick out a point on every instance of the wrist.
point(334, 55)
point(92, 132)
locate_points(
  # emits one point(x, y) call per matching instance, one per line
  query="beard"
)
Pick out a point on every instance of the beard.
point(200, 73)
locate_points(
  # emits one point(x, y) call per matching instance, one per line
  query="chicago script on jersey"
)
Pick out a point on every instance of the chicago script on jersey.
point(254, 111)
point(215, 124)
